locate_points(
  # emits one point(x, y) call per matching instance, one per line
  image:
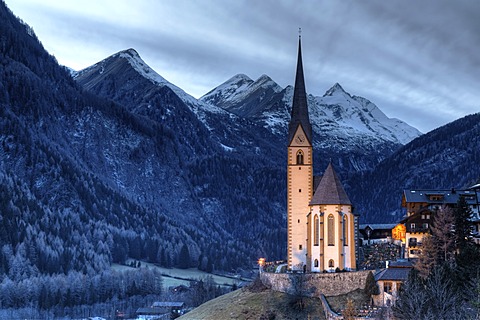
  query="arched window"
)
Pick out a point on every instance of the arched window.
point(331, 263)
point(315, 263)
point(331, 230)
point(316, 230)
point(300, 157)
point(345, 230)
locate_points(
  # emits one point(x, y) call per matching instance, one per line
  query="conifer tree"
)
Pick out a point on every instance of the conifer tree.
point(371, 287)
point(463, 224)
point(184, 258)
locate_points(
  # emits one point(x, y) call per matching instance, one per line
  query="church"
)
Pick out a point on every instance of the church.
point(320, 220)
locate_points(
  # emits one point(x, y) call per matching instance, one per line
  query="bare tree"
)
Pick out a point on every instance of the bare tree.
point(443, 233)
point(299, 290)
point(428, 259)
point(350, 311)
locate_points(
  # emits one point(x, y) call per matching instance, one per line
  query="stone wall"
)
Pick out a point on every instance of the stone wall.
point(329, 284)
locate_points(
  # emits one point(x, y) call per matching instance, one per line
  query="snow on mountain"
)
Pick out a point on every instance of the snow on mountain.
point(113, 66)
point(134, 59)
point(336, 113)
point(353, 113)
point(240, 94)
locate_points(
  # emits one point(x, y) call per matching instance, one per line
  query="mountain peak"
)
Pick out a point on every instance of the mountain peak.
point(267, 82)
point(239, 77)
point(132, 52)
point(264, 78)
point(336, 89)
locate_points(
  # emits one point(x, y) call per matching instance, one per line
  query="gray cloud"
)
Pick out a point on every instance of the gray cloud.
point(418, 61)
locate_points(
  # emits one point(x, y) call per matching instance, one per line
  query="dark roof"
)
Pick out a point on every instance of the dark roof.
point(395, 274)
point(330, 189)
point(150, 311)
point(316, 181)
point(160, 304)
point(448, 196)
point(299, 104)
point(376, 226)
point(400, 263)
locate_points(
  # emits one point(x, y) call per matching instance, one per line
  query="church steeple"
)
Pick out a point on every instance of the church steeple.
point(299, 105)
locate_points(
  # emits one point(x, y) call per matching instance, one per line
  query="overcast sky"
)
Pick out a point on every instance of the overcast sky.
point(418, 61)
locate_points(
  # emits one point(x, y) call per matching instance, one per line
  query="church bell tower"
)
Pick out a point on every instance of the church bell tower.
point(299, 172)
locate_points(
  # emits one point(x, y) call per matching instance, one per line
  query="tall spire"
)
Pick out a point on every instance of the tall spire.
point(299, 105)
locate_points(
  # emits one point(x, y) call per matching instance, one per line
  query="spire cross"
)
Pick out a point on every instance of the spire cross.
point(299, 32)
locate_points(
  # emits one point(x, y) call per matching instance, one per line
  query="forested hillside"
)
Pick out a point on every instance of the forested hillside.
point(87, 181)
point(445, 158)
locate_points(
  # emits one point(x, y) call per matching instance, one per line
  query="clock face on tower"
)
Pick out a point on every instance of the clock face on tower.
point(300, 138)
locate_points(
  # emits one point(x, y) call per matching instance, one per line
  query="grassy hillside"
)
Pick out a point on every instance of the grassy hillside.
point(245, 304)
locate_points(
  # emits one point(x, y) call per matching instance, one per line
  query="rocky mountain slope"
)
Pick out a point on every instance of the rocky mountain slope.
point(86, 181)
point(222, 157)
point(350, 130)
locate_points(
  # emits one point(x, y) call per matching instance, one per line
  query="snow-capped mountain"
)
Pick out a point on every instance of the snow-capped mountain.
point(336, 112)
point(350, 130)
point(121, 164)
point(212, 147)
point(127, 79)
point(354, 113)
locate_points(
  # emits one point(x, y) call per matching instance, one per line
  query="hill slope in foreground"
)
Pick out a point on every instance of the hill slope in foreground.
point(245, 304)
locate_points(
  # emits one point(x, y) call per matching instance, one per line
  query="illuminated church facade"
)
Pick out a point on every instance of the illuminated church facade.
point(320, 221)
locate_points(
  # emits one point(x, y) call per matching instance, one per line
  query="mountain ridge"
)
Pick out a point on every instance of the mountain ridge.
point(240, 101)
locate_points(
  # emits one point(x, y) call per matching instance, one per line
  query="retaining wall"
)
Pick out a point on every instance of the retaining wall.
point(329, 284)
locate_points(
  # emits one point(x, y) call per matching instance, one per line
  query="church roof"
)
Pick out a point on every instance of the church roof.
point(299, 114)
point(330, 189)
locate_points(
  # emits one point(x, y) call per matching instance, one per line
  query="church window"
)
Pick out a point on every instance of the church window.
point(299, 247)
point(345, 230)
point(300, 157)
point(316, 230)
point(315, 263)
point(299, 190)
point(331, 230)
point(331, 263)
